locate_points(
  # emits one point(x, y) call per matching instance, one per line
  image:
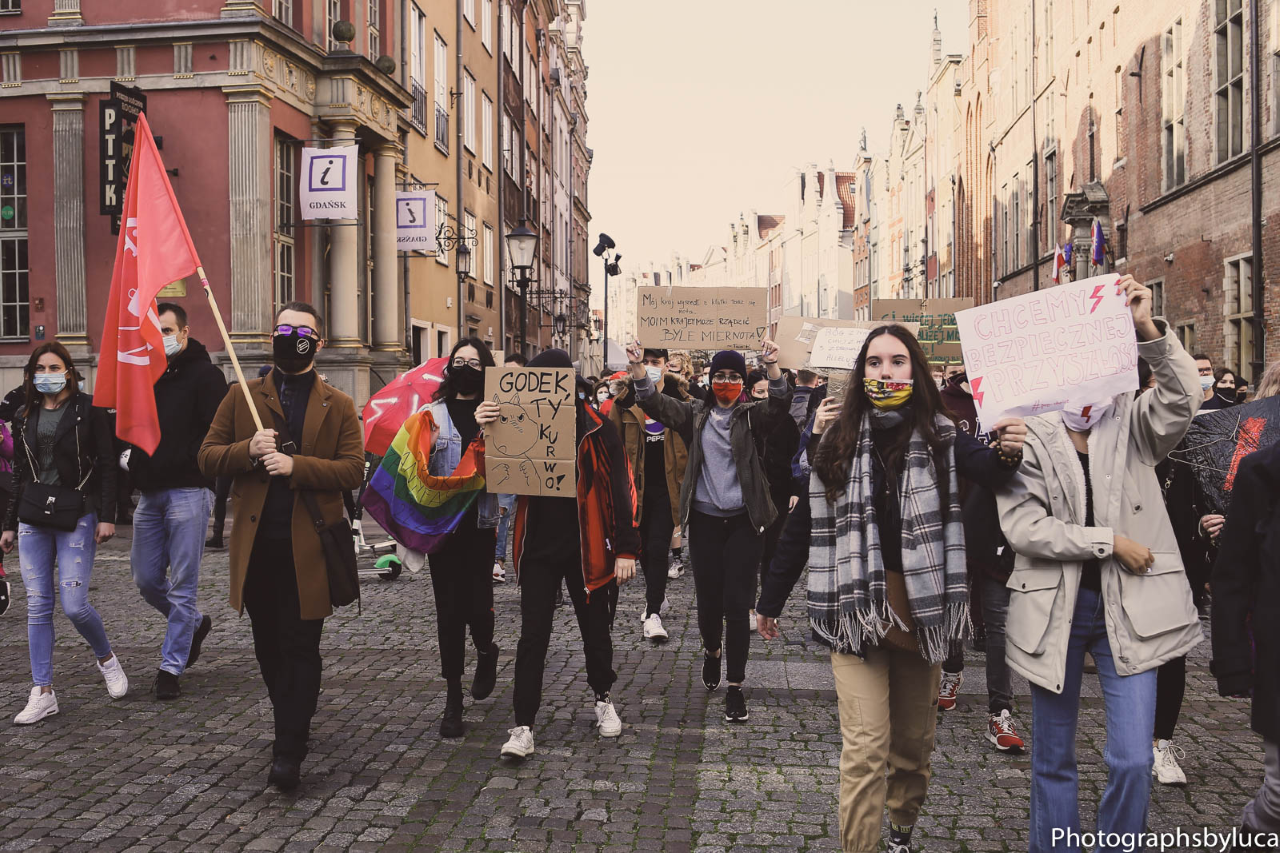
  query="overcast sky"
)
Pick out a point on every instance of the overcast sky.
point(701, 109)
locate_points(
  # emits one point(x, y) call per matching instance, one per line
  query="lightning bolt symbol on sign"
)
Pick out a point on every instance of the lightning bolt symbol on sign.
point(1096, 296)
point(976, 385)
point(1249, 437)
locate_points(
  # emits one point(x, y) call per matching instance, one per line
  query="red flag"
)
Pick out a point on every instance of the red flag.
point(154, 250)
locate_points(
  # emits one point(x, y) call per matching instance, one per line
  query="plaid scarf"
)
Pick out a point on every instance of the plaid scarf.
point(848, 605)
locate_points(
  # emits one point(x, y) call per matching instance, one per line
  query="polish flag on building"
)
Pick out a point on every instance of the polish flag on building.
point(1059, 263)
point(154, 249)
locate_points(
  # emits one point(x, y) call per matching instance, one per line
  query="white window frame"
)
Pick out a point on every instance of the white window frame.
point(1237, 310)
point(468, 111)
point(486, 25)
point(486, 130)
point(332, 14)
point(488, 253)
point(469, 233)
point(284, 230)
point(469, 12)
point(1228, 88)
point(281, 10)
point(440, 76)
point(1173, 121)
point(373, 20)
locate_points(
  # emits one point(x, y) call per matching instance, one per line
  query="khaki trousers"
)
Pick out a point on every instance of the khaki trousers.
point(888, 685)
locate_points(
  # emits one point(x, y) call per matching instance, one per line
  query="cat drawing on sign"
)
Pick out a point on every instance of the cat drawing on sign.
point(514, 441)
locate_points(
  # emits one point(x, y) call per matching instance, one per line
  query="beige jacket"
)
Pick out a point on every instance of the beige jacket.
point(1150, 618)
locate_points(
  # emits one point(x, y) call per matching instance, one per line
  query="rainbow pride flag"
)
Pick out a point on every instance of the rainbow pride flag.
point(417, 509)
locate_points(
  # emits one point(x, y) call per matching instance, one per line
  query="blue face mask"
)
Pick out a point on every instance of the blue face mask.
point(50, 383)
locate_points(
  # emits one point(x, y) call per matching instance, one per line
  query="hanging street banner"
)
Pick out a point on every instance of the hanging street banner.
point(328, 188)
point(530, 449)
point(117, 116)
point(797, 336)
point(416, 221)
point(1040, 352)
point(709, 318)
point(938, 334)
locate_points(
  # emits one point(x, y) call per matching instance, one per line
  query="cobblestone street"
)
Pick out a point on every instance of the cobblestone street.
point(191, 775)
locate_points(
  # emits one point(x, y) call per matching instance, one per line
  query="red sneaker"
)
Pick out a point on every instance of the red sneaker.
point(1000, 731)
point(949, 690)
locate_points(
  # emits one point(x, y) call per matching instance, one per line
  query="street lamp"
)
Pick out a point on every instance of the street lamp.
point(464, 261)
point(522, 247)
point(603, 247)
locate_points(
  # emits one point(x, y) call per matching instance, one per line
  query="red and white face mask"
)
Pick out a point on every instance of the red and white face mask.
point(1084, 418)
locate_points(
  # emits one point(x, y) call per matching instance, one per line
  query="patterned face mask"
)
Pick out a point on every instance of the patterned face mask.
point(888, 394)
point(1084, 418)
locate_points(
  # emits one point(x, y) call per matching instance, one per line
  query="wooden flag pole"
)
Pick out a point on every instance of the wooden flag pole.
point(231, 351)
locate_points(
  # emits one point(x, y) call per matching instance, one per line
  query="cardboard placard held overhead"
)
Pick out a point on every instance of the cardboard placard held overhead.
point(796, 337)
point(709, 318)
point(938, 334)
point(530, 449)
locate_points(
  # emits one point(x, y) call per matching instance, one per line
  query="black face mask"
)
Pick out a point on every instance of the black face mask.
point(293, 353)
point(467, 379)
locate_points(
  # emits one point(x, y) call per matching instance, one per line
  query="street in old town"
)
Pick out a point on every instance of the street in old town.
point(190, 775)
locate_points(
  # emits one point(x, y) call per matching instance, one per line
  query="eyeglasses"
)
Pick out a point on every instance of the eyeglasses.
point(467, 362)
point(724, 378)
point(304, 331)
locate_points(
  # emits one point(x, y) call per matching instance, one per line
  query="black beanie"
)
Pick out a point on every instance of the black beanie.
point(728, 359)
point(551, 358)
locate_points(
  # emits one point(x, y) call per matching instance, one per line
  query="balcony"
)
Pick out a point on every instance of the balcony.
point(442, 129)
point(419, 115)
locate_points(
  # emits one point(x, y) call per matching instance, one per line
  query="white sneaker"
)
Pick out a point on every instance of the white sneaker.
point(499, 573)
point(607, 719)
point(676, 570)
point(653, 629)
point(1166, 769)
point(520, 744)
point(117, 681)
point(39, 706)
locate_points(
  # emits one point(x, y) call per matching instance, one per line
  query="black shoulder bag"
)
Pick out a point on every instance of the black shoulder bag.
point(55, 507)
point(337, 542)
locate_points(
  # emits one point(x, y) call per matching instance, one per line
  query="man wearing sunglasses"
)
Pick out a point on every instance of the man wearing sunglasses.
point(312, 441)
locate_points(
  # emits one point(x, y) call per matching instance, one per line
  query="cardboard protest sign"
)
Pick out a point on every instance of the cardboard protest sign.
point(795, 338)
point(711, 318)
point(836, 384)
point(938, 334)
point(530, 449)
point(1038, 352)
point(837, 348)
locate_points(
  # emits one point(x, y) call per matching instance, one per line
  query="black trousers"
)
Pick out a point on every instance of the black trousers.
point(540, 579)
point(656, 528)
point(287, 646)
point(772, 534)
point(726, 560)
point(221, 493)
point(462, 580)
point(1171, 685)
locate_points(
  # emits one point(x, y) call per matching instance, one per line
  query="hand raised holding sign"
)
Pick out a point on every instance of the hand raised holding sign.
point(1138, 298)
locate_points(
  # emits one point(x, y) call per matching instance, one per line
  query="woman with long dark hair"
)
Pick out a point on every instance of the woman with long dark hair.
point(64, 483)
point(462, 569)
point(888, 589)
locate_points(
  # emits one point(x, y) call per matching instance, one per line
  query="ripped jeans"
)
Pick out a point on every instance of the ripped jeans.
point(73, 551)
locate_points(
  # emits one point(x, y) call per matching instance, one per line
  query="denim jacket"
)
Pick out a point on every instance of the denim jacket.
point(446, 455)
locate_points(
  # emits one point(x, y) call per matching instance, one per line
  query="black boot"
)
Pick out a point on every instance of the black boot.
point(285, 773)
point(451, 723)
point(486, 673)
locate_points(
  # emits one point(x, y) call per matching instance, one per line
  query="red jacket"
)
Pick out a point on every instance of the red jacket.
point(607, 526)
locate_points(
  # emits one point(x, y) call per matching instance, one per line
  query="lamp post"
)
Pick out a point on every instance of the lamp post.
point(602, 250)
point(522, 248)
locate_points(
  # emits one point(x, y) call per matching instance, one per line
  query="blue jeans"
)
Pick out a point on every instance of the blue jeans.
point(1131, 717)
point(508, 504)
point(168, 539)
point(39, 550)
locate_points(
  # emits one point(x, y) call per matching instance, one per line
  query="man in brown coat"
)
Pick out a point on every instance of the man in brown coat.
point(277, 567)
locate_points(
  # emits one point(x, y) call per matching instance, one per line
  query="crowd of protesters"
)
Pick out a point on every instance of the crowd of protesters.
point(1069, 540)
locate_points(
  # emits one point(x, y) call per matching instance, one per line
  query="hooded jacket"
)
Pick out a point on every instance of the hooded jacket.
point(607, 528)
point(629, 420)
point(1150, 618)
point(187, 398)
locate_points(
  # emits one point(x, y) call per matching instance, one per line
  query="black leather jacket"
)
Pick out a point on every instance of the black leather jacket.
point(84, 446)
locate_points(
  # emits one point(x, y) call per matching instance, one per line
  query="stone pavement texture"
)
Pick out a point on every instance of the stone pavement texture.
point(190, 775)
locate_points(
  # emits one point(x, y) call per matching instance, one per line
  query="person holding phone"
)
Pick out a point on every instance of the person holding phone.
point(1098, 571)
